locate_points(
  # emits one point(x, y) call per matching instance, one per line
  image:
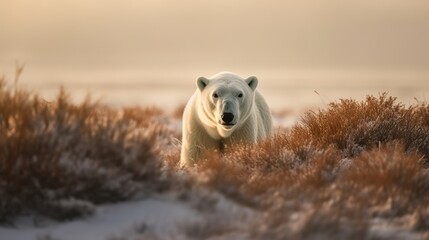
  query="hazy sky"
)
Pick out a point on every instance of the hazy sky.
point(196, 36)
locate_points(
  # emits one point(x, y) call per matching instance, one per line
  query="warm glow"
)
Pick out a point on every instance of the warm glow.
point(361, 44)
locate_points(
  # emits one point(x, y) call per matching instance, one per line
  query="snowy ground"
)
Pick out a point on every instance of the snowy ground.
point(161, 213)
point(160, 217)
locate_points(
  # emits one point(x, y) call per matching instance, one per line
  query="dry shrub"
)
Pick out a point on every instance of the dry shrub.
point(422, 113)
point(56, 152)
point(354, 126)
point(212, 227)
point(172, 159)
point(245, 171)
point(143, 117)
point(334, 200)
point(388, 166)
point(390, 177)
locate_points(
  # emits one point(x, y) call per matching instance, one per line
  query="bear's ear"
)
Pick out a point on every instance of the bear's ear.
point(202, 82)
point(252, 82)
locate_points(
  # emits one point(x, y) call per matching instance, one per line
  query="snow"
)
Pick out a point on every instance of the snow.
point(110, 220)
point(384, 229)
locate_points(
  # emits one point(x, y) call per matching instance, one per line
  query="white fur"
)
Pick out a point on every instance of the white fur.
point(203, 127)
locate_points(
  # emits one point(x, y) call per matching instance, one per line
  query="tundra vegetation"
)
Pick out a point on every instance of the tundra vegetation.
point(352, 170)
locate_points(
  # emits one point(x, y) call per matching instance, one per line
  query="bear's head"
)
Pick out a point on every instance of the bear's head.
point(226, 101)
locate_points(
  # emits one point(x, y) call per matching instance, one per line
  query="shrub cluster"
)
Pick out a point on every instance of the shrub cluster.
point(333, 175)
point(57, 158)
point(353, 126)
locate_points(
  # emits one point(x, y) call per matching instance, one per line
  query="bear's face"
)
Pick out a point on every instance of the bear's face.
point(226, 101)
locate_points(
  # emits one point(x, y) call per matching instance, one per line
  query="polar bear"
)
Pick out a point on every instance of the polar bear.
point(224, 109)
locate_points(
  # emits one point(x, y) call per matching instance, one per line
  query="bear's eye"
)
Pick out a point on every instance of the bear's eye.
point(240, 95)
point(215, 95)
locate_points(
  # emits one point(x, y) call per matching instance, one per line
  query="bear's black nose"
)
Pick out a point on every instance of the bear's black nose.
point(227, 117)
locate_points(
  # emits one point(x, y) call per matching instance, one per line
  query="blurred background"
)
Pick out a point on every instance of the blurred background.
point(146, 52)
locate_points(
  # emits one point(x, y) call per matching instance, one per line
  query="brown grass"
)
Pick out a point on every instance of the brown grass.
point(51, 152)
point(354, 126)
